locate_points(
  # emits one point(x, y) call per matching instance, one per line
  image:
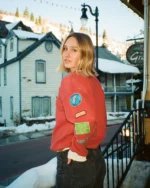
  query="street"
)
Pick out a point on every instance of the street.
point(18, 157)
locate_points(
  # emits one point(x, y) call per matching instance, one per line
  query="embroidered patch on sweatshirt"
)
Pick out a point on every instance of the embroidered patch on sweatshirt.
point(82, 128)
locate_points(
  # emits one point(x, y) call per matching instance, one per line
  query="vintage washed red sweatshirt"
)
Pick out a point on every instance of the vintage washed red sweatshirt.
point(80, 115)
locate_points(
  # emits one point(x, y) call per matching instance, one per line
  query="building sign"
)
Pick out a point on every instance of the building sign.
point(135, 54)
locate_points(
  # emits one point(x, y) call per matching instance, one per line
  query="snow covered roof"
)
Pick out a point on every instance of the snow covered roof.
point(27, 35)
point(104, 53)
point(133, 81)
point(3, 40)
point(111, 66)
point(11, 25)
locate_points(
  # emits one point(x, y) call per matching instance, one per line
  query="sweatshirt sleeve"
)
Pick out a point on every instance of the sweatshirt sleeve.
point(79, 110)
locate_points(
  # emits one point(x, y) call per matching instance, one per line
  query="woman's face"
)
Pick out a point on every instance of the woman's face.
point(71, 54)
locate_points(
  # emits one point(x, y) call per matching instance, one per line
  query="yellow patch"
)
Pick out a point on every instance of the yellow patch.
point(80, 114)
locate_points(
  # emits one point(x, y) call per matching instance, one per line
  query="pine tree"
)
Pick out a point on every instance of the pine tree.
point(36, 22)
point(17, 12)
point(104, 34)
point(105, 42)
point(32, 17)
point(26, 13)
point(40, 20)
point(43, 30)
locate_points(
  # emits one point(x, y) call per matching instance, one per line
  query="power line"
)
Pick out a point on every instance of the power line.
point(58, 5)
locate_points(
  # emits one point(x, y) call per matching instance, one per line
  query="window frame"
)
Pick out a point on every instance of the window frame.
point(11, 107)
point(1, 109)
point(37, 62)
point(5, 76)
point(0, 50)
point(11, 44)
point(0, 76)
point(41, 108)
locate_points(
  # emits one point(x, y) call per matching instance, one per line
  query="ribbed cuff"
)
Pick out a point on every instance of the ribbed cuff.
point(75, 157)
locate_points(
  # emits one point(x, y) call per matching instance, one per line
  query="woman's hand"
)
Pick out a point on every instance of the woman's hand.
point(69, 161)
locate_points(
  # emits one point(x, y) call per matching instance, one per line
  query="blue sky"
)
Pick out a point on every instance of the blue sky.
point(119, 22)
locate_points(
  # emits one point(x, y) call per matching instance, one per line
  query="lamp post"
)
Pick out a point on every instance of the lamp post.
point(84, 19)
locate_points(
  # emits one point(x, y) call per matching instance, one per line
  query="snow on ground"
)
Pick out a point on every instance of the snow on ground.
point(44, 176)
point(24, 128)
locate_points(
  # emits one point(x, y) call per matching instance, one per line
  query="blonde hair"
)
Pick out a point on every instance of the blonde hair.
point(87, 56)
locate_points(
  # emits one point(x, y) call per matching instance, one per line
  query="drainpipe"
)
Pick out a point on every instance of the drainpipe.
point(146, 38)
point(146, 85)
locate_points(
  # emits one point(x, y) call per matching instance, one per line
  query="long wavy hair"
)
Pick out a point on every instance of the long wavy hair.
point(85, 65)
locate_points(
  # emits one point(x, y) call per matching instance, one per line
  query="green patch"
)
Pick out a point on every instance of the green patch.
point(82, 128)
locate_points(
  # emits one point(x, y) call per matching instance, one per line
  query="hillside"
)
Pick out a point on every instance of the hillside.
point(61, 31)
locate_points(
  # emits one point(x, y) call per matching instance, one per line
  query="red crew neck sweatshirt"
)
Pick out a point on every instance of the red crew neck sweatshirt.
point(80, 115)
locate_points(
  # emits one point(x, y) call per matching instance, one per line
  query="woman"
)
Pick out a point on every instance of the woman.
point(80, 118)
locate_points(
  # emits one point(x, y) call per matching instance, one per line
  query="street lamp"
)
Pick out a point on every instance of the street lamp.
point(84, 19)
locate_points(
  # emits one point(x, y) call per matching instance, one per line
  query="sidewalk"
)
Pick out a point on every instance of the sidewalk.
point(24, 136)
point(13, 138)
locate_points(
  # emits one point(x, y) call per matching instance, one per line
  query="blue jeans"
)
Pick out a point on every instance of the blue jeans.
point(88, 174)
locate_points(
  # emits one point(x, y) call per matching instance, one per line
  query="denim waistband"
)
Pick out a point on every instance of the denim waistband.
point(90, 151)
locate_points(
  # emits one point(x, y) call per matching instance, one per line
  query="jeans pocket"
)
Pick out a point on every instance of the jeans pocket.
point(83, 173)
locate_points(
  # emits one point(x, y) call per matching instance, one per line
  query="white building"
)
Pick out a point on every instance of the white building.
point(28, 78)
point(29, 82)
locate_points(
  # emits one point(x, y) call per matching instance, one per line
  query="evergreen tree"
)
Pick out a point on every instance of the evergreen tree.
point(105, 42)
point(26, 13)
point(40, 20)
point(17, 12)
point(104, 34)
point(43, 30)
point(32, 17)
point(47, 29)
point(90, 31)
point(36, 22)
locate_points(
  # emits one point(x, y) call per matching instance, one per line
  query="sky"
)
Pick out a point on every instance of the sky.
point(120, 22)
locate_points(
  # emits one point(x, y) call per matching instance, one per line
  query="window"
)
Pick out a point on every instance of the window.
point(0, 76)
point(118, 79)
point(5, 76)
point(11, 44)
point(40, 71)
point(0, 106)
point(0, 50)
point(11, 107)
point(19, 28)
point(41, 106)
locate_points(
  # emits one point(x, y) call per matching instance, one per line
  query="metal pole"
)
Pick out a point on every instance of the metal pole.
point(96, 14)
point(96, 20)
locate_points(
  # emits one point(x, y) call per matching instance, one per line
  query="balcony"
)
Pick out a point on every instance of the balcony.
point(118, 89)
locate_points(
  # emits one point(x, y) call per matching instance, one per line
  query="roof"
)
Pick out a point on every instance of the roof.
point(109, 63)
point(104, 53)
point(115, 67)
point(27, 35)
point(2, 41)
point(48, 36)
point(136, 5)
point(15, 25)
point(5, 27)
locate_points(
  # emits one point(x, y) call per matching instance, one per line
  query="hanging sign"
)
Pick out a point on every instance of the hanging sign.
point(135, 54)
